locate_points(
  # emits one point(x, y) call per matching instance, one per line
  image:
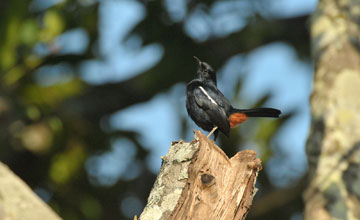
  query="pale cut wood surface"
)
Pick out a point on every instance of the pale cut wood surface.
point(18, 201)
point(198, 181)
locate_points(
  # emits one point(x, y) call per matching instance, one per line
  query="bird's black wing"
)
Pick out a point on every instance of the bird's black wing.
point(211, 102)
point(218, 97)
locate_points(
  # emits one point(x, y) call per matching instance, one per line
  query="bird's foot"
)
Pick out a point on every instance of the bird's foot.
point(212, 131)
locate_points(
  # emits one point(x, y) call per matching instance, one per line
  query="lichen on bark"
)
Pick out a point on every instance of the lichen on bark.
point(335, 104)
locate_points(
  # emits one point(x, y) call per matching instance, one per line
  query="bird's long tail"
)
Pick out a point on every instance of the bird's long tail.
point(238, 116)
point(258, 112)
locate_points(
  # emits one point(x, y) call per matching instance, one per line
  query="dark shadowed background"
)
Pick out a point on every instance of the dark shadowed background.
point(93, 92)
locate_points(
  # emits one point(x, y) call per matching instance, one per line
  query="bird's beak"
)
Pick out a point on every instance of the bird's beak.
point(200, 64)
point(197, 59)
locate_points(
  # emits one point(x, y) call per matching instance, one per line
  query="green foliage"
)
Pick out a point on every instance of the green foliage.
point(29, 32)
point(51, 95)
point(53, 25)
point(66, 165)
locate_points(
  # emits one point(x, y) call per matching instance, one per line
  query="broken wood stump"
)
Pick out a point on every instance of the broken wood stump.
point(198, 181)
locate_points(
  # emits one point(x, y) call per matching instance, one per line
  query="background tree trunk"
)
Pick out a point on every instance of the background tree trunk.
point(334, 142)
point(198, 181)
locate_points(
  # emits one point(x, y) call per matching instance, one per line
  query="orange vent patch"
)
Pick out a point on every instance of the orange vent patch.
point(236, 119)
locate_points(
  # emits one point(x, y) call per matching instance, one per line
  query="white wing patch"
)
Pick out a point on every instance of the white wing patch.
point(207, 95)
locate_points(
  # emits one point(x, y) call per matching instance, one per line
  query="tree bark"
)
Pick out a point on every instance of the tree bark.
point(18, 201)
point(333, 145)
point(198, 181)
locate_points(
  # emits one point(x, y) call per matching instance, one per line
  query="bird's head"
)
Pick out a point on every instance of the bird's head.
point(205, 71)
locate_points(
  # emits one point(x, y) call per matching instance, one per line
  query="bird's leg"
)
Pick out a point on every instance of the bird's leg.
point(212, 131)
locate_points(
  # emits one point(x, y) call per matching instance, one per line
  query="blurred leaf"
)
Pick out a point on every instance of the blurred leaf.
point(65, 165)
point(90, 207)
point(267, 128)
point(55, 124)
point(52, 95)
point(32, 61)
point(33, 112)
point(13, 75)
point(29, 32)
point(53, 26)
point(7, 52)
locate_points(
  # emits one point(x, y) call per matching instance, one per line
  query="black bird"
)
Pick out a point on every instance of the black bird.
point(211, 110)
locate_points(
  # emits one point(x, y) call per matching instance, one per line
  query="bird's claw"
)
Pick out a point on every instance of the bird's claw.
point(212, 131)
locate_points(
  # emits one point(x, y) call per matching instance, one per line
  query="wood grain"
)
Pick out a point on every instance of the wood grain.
point(198, 181)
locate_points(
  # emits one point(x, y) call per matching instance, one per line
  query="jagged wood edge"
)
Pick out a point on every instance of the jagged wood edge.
point(182, 156)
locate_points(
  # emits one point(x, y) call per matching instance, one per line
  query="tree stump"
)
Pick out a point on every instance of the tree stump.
point(198, 181)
